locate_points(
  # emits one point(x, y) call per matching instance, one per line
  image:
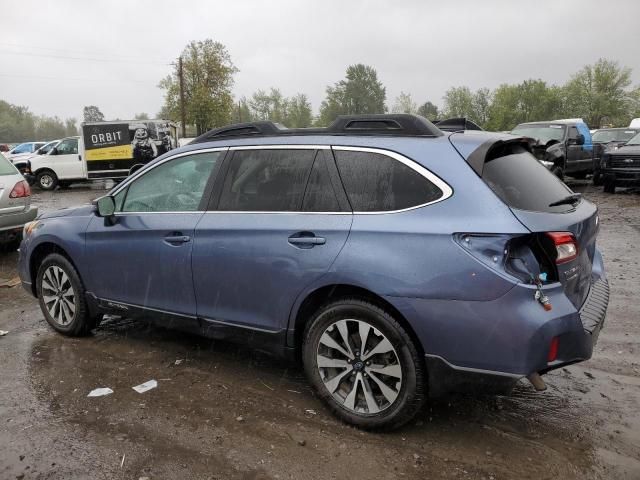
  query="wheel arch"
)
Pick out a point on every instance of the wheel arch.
point(38, 255)
point(316, 298)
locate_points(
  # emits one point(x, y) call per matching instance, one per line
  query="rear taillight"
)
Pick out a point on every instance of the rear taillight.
point(553, 350)
point(566, 246)
point(20, 190)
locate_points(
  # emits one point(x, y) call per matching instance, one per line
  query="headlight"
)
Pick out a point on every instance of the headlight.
point(28, 228)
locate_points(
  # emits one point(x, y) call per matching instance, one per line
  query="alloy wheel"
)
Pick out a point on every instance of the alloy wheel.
point(46, 181)
point(359, 366)
point(58, 295)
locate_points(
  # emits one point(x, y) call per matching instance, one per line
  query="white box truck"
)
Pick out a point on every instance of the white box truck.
point(103, 150)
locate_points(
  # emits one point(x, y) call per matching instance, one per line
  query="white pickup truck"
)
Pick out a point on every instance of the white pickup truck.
point(104, 150)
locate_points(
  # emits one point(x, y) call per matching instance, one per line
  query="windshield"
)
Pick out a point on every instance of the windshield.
point(635, 140)
point(6, 167)
point(47, 148)
point(542, 133)
point(606, 136)
point(22, 148)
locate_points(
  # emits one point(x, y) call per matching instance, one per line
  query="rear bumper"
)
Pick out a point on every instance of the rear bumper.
point(16, 221)
point(495, 343)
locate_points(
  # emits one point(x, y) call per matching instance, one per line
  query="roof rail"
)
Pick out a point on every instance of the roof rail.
point(456, 124)
point(400, 124)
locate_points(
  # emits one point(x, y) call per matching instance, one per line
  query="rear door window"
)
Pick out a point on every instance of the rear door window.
point(266, 180)
point(524, 183)
point(378, 183)
point(321, 196)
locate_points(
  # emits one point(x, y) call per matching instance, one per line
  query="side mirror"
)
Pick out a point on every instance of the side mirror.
point(580, 139)
point(106, 206)
point(54, 151)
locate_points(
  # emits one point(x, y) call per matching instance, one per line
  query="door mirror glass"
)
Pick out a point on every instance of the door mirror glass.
point(106, 206)
point(580, 139)
point(54, 151)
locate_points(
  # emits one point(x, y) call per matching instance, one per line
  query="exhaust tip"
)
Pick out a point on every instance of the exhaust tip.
point(537, 382)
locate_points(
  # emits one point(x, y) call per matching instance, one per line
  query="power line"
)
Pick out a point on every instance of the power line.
point(90, 80)
point(66, 50)
point(66, 57)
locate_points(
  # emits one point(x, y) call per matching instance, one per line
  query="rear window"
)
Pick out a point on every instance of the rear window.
point(6, 168)
point(378, 183)
point(523, 183)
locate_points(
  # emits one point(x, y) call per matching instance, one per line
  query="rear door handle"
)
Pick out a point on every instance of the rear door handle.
point(174, 239)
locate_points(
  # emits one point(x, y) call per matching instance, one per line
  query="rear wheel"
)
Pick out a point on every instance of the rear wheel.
point(47, 180)
point(364, 365)
point(597, 179)
point(62, 297)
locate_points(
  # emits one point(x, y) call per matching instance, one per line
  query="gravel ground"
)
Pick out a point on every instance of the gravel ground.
point(223, 412)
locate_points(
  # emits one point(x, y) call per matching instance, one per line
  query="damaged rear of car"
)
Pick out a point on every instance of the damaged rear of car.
point(559, 304)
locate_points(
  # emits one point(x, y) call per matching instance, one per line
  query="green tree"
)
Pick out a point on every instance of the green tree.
point(208, 78)
point(458, 102)
point(360, 92)
point(70, 127)
point(141, 116)
point(428, 110)
point(404, 104)
point(600, 94)
point(298, 112)
point(49, 128)
point(91, 113)
point(242, 112)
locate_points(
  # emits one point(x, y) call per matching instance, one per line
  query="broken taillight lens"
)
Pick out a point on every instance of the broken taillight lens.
point(20, 190)
point(566, 246)
point(553, 350)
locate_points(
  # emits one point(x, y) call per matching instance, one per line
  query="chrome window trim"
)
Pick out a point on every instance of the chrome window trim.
point(447, 191)
point(140, 172)
point(444, 187)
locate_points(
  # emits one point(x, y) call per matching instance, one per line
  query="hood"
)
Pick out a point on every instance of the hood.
point(626, 150)
point(78, 211)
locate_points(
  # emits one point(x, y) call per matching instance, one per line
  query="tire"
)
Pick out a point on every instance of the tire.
point(597, 179)
point(394, 397)
point(609, 186)
point(558, 171)
point(64, 185)
point(57, 274)
point(47, 180)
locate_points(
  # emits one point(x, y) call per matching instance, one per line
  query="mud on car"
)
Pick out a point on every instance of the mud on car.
point(395, 262)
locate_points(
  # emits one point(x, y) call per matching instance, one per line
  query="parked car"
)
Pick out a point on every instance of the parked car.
point(608, 138)
point(23, 164)
point(103, 150)
point(393, 260)
point(621, 167)
point(15, 203)
point(23, 149)
point(563, 146)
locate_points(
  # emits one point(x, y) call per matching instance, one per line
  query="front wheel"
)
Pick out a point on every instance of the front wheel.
point(61, 296)
point(47, 180)
point(597, 178)
point(364, 365)
point(609, 186)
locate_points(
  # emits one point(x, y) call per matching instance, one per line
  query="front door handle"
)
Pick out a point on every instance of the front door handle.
point(177, 239)
point(306, 240)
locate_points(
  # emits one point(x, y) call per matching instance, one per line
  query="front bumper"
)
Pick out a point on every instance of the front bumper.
point(15, 221)
point(623, 177)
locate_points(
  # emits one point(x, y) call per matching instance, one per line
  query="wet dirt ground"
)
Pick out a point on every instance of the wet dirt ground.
point(221, 411)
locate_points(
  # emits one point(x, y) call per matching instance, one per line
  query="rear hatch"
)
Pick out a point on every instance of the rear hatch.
point(530, 191)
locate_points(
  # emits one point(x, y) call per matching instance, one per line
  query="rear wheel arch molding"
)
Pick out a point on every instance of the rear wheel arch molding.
point(311, 301)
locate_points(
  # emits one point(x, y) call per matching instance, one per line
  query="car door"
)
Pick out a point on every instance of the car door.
point(280, 222)
point(66, 160)
point(143, 257)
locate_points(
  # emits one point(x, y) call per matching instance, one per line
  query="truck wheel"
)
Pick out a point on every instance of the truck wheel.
point(558, 171)
point(62, 297)
point(609, 186)
point(47, 180)
point(597, 179)
point(364, 365)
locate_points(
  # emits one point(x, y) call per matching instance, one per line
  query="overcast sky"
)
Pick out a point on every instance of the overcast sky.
point(59, 56)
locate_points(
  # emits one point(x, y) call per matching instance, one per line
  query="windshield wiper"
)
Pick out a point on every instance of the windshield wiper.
point(568, 200)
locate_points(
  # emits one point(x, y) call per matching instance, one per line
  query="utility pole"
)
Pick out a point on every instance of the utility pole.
point(182, 113)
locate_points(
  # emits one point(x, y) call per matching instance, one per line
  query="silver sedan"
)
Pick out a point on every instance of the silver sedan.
point(15, 203)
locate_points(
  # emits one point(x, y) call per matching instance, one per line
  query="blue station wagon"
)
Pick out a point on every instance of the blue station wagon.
point(396, 262)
